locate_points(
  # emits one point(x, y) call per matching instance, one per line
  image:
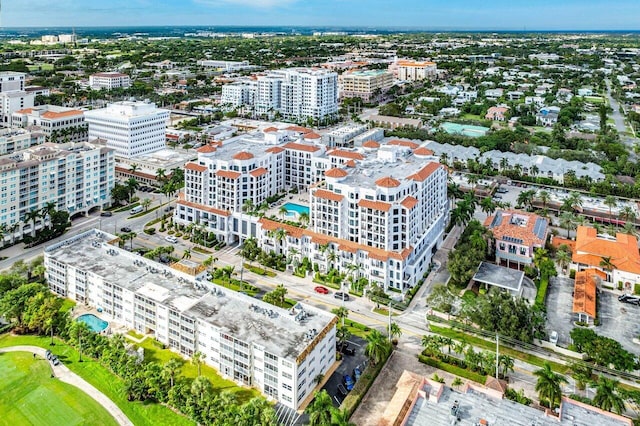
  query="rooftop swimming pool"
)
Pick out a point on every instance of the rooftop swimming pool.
point(94, 323)
point(293, 209)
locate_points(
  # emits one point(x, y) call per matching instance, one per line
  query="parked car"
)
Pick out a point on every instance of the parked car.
point(55, 360)
point(356, 373)
point(48, 354)
point(553, 338)
point(171, 239)
point(106, 214)
point(321, 290)
point(341, 390)
point(341, 295)
point(348, 382)
point(125, 229)
point(627, 298)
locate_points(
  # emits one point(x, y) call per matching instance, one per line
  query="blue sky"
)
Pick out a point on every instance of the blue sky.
point(424, 14)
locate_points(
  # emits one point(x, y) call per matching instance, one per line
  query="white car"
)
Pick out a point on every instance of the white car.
point(171, 239)
point(553, 337)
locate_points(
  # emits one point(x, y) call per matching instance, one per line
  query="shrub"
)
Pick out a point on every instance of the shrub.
point(150, 231)
point(478, 378)
point(362, 386)
point(572, 274)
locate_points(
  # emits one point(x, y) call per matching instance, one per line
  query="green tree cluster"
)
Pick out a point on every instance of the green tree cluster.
point(472, 249)
point(602, 350)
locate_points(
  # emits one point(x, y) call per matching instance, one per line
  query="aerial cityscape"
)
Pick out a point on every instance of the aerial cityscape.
point(277, 212)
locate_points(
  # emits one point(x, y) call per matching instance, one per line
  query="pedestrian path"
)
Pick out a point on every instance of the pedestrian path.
point(65, 375)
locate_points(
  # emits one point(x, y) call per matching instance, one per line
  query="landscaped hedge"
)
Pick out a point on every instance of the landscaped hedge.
point(541, 295)
point(362, 386)
point(479, 378)
point(260, 271)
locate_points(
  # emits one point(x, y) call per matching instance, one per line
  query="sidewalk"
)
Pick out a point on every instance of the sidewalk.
point(65, 375)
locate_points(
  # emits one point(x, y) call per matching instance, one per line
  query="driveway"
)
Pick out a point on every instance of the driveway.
point(348, 364)
point(559, 307)
point(619, 321)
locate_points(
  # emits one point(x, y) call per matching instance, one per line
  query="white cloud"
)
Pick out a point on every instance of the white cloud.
point(266, 4)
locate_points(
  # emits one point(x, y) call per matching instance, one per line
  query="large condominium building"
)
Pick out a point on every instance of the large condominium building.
point(13, 95)
point(226, 66)
point(239, 93)
point(131, 128)
point(77, 177)
point(414, 71)
point(109, 80)
point(278, 351)
point(59, 124)
point(294, 93)
point(382, 207)
point(365, 84)
point(12, 140)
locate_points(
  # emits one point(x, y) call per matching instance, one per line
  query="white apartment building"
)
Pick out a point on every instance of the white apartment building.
point(226, 66)
point(414, 70)
point(13, 96)
point(239, 93)
point(131, 128)
point(383, 207)
point(59, 124)
point(77, 177)
point(295, 93)
point(278, 351)
point(365, 84)
point(13, 139)
point(109, 80)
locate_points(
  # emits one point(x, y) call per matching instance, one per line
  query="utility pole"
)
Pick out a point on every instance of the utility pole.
point(497, 354)
point(389, 329)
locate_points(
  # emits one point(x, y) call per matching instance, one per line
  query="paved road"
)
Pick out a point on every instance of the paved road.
point(67, 376)
point(619, 121)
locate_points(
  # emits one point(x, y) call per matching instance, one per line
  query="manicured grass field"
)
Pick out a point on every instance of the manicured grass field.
point(31, 397)
point(140, 413)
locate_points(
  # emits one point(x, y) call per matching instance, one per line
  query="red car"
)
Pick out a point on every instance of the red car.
point(321, 290)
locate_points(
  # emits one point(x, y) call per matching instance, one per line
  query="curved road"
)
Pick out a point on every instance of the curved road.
point(67, 376)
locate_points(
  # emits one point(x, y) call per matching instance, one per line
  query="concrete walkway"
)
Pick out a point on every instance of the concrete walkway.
point(67, 376)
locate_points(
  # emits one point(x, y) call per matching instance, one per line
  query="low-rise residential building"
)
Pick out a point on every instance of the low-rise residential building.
point(226, 66)
point(277, 351)
point(13, 139)
point(343, 136)
point(109, 80)
point(416, 70)
point(76, 177)
point(517, 235)
point(13, 96)
point(59, 124)
point(366, 85)
point(497, 113)
point(390, 122)
point(617, 257)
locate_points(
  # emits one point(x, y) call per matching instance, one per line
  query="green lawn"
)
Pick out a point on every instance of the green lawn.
point(31, 397)
point(140, 413)
point(594, 99)
point(153, 352)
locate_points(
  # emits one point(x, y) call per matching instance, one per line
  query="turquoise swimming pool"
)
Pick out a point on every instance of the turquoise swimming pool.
point(94, 323)
point(293, 209)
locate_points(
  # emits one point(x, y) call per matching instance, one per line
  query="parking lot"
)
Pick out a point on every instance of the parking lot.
point(349, 363)
point(618, 320)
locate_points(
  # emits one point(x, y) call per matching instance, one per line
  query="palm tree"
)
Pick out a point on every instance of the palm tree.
point(200, 386)
point(186, 254)
point(161, 175)
point(563, 258)
point(132, 184)
point(4, 230)
point(132, 168)
point(331, 258)
point(146, 202)
point(320, 409)
point(394, 331)
point(171, 368)
point(282, 211)
point(32, 217)
point(628, 214)
point(506, 363)
point(504, 164)
point(377, 346)
point(607, 264)
point(48, 209)
point(574, 201)
point(197, 359)
point(548, 385)
point(340, 417)
point(607, 396)
point(629, 229)
point(544, 196)
point(525, 198)
point(611, 202)
point(488, 206)
point(473, 181)
point(567, 221)
point(304, 218)
point(341, 313)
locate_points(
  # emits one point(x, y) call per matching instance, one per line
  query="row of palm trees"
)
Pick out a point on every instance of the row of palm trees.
point(31, 218)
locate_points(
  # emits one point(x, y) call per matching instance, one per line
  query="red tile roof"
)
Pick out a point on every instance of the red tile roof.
point(203, 207)
point(270, 129)
point(345, 154)
point(523, 232)
point(423, 152)
point(425, 172)
point(590, 249)
point(388, 182)
point(327, 195)
point(258, 172)
point(229, 174)
point(298, 129)
point(375, 205)
point(399, 142)
point(584, 291)
point(312, 135)
point(243, 155)
point(55, 115)
point(275, 150)
point(409, 202)
point(336, 173)
point(206, 149)
point(195, 167)
point(272, 225)
point(371, 144)
point(301, 147)
point(350, 163)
